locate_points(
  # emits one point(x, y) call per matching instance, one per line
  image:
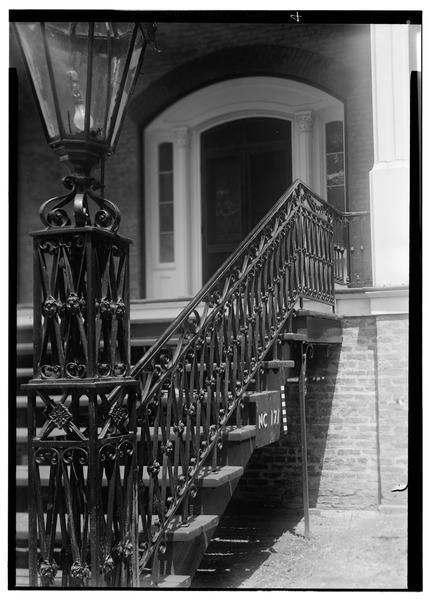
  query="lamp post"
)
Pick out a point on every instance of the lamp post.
point(82, 446)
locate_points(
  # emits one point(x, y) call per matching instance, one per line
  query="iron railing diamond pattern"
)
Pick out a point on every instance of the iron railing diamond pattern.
point(147, 447)
point(195, 376)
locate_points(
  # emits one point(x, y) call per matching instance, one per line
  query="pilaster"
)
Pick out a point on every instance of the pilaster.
point(389, 178)
point(304, 128)
point(182, 145)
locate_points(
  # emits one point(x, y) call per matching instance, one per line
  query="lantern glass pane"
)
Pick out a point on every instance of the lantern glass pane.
point(84, 75)
point(118, 95)
point(69, 57)
point(31, 38)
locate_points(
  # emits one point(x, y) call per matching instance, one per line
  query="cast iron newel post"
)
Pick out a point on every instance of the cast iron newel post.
point(82, 399)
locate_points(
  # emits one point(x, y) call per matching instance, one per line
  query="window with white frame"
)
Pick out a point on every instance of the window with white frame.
point(165, 202)
point(335, 164)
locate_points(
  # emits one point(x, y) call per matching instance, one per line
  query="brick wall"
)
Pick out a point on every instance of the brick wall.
point(335, 57)
point(356, 411)
point(392, 380)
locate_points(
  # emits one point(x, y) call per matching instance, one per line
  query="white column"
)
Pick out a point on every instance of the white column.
point(182, 210)
point(304, 123)
point(389, 177)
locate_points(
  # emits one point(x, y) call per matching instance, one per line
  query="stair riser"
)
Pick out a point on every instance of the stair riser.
point(213, 500)
point(184, 558)
point(236, 454)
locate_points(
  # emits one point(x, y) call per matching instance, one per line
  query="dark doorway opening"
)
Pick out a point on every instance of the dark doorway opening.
point(246, 166)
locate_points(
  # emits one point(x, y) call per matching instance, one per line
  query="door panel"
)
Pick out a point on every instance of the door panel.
point(246, 166)
point(269, 177)
point(223, 208)
point(224, 201)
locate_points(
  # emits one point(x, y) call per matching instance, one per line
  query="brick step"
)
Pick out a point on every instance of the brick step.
point(24, 349)
point(205, 478)
point(176, 530)
point(292, 336)
point(171, 581)
point(24, 373)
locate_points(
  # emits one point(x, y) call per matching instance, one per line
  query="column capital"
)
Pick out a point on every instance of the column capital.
point(304, 120)
point(182, 137)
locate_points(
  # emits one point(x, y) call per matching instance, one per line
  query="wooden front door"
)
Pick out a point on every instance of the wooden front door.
point(246, 166)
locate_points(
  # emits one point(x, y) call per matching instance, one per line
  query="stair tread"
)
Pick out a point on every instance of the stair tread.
point(169, 582)
point(21, 372)
point(275, 364)
point(290, 336)
point(22, 401)
point(315, 314)
point(176, 531)
point(24, 348)
point(22, 577)
point(206, 477)
point(252, 396)
point(144, 341)
point(241, 433)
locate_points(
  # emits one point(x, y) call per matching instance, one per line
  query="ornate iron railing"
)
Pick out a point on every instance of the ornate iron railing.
point(350, 246)
point(194, 378)
point(147, 447)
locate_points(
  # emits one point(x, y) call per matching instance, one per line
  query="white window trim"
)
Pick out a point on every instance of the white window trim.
point(326, 116)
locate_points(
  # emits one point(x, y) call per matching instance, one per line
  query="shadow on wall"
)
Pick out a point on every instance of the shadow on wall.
point(273, 476)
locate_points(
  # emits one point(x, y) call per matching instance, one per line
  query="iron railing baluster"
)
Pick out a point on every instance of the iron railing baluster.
point(189, 393)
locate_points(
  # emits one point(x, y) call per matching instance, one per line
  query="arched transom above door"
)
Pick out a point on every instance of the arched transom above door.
point(176, 232)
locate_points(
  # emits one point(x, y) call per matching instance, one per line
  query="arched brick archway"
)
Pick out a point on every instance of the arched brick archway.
point(269, 60)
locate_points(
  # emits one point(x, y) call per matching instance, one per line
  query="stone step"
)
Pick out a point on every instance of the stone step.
point(206, 477)
point(172, 581)
point(24, 373)
point(176, 530)
point(146, 581)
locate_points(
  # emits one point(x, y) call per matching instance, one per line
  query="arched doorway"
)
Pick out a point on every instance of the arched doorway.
point(246, 166)
point(180, 255)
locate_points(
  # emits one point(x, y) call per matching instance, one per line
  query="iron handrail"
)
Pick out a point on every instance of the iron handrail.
point(191, 390)
point(231, 260)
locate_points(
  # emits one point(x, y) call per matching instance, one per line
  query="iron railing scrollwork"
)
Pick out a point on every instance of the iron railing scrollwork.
point(124, 446)
point(351, 242)
point(194, 378)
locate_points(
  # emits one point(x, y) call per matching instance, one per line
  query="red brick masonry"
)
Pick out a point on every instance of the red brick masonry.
point(357, 425)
